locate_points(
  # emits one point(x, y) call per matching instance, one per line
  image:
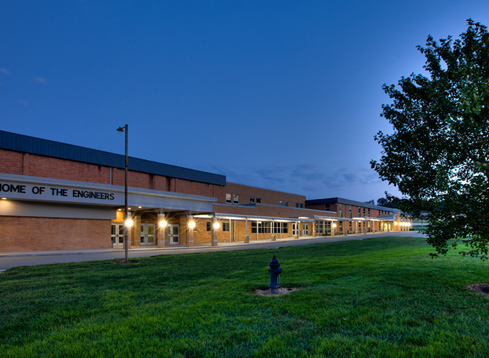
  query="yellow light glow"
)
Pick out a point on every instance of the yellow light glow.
point(139, 207)
point(191, 224)
point(215, 225)
point(129, 223)
point(334, 226)
point(162, 223)
point(4, 198)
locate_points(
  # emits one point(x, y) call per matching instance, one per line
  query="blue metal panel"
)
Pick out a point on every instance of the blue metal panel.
point(48, 148)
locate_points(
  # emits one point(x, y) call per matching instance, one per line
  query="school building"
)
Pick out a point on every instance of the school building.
point(57, 196)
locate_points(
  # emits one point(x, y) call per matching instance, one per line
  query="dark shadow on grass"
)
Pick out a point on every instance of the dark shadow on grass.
point(123, 262)
point(480, 288)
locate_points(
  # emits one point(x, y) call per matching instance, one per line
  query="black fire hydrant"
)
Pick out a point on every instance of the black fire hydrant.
point(274, 270)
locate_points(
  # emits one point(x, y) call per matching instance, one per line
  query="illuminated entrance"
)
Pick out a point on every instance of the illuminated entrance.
point(117, 234)
point(174, 234)
point(147, 235)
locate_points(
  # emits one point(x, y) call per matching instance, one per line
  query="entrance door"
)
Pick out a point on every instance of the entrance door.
point(295, 229)
point(174, 234)
point(305, 229)
point(117, 234)
point(147, 235)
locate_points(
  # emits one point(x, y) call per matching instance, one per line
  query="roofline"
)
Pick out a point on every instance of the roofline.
point(349, 202)
point(32, 145)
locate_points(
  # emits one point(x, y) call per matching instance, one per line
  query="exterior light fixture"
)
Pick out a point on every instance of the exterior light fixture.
point(139, 207)
point(162, 223)
point(129, 223)
point(191, 224)
point(4, 198)
point(215, 225)
point(334, 225)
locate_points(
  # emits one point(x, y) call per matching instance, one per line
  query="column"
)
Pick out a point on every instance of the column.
point(274, 237)
point(129, 231)
point(162, 231)
point(314, 229)
point(247, 236)
point(190, 231)
point(215, 227)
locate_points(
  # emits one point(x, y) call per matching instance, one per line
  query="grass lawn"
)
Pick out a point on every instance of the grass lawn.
point(381, 297)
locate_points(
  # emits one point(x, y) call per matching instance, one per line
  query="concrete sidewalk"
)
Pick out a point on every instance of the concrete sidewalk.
point(303, 240)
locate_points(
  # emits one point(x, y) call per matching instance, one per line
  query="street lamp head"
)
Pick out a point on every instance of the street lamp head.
point(120, 129)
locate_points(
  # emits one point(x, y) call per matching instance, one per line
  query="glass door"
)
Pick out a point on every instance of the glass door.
point(174, 234)
point(147, 235)
point(295, 229)
point(117, 234)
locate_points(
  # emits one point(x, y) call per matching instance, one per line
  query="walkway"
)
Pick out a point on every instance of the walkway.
point(30, 258)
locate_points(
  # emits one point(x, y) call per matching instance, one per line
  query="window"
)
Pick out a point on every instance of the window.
point(327, 207)
point(261, 227)
point(252, 199)
point(208, 226)
point(296, 205)
point(368, 212)
point(363, 211)
point(359, 212)
point(225, 227)
point(349, 226)
point(302, 205)
point(280, 228)
point(341, 210)
point(323, 227)
point(236, 198)
point(349, 211)
point(281, 203)
point(258, 200)
point(228, 198)
point(286, 203)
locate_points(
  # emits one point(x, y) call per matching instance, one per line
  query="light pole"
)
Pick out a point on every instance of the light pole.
point(126, 211)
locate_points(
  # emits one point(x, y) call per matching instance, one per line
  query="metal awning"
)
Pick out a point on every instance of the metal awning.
point(224, 216)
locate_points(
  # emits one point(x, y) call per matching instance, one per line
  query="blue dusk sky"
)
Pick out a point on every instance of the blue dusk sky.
point(284, 95)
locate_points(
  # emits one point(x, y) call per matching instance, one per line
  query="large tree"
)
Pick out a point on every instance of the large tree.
point(438, 153)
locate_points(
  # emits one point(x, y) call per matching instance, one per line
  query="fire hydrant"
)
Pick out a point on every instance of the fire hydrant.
point(274, 270)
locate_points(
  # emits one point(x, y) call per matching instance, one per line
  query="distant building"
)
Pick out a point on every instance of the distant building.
point(57, 196)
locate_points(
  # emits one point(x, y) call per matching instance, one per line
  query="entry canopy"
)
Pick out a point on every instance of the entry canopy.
point(223, 216)
point(48, 190)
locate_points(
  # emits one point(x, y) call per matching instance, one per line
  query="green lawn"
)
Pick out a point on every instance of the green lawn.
point(382, 297)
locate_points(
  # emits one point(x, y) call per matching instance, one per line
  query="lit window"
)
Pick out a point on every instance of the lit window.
point(281, 203)
point(228, 198)
point(236, 199)
point(225, 227)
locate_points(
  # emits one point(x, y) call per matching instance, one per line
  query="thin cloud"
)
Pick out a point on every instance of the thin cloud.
point(39, 80)
point(4, 71)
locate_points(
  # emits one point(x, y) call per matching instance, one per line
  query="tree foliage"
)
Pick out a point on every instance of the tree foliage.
point(438, 153)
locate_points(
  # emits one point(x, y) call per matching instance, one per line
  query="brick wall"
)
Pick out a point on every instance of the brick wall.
point(267, 196)
point(26, 234)
point(47, 167)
